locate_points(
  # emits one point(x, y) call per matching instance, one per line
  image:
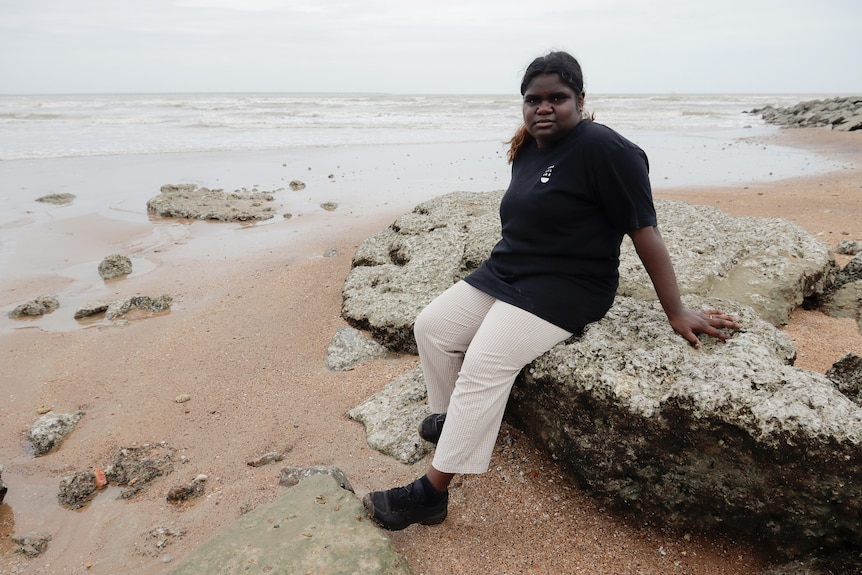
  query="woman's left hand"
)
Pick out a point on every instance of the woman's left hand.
point(690, 323)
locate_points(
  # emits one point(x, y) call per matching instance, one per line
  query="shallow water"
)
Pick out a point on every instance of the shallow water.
point(368, 154)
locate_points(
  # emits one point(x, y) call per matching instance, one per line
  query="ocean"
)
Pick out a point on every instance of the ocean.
point(87, 125)
point(702, 139)
point(373, 155)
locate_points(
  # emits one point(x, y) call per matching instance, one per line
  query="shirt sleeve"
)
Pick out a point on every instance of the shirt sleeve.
point(623, 187)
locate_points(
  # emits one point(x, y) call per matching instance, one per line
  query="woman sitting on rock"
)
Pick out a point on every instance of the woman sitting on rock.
point(577, 188)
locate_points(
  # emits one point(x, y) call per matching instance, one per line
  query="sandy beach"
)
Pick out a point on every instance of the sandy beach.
point(254, 310)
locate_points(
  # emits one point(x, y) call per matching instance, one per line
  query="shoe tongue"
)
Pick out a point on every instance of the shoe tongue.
point(418, 490)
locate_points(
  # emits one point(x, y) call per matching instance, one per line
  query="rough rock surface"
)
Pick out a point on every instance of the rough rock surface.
point(265, 459)
point(191, 202)
point(847, 375)
point(842, 113)
point(852, 272)
point(119, 308)
point(291, 475)
point(315, 527)
point(58, 199)
point(844, 299)
point(115, 265)
point(135, 467)
point(392, 417)
point(77, 490)
point(849, 247)
point(50, 430)
point(349, 347)
point(191, 490)
point(144, 303)
point(32, 544)
point(91, 309)
point(36, 307)
point(767, 263)
point(729, 437)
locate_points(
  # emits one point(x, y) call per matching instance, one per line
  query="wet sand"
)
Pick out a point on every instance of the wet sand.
point(255, 307)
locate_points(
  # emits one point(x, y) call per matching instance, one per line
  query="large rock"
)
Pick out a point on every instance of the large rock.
point(769, 264)
point(398, 271)
point(315, 527)
point(192, 202)
point(729, 437)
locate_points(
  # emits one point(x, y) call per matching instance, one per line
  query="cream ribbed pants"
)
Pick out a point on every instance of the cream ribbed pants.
point(472, 347)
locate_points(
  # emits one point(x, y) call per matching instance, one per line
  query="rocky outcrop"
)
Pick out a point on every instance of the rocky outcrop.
point(349, 347)
point(842, 113)
point(399, 270)
point(35, 307)
point(32, 544)
point(132, 468)
point(852, 272)
point(844, 298)
point(849, 247)
point(846, 373)
point(315, 527)
point(192, 202)
point(51, 429)
point(392, 417)
point(148, 305)
point(114, 266)
point(77, 490)
point(729, 437)
point(57, 199)
point(769, 264)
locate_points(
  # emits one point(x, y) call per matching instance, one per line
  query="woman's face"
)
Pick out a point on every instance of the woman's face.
point(551, 108)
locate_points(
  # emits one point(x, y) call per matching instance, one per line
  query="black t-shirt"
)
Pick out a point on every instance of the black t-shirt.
point(564, 216)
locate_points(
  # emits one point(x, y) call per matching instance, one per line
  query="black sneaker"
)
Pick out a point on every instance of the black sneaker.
point(399, 507)
point(431, 427)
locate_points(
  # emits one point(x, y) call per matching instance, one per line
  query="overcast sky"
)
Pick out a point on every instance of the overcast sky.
point(427, 46)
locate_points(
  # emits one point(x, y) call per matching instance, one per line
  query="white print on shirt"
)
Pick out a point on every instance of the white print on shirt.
point(547, 175)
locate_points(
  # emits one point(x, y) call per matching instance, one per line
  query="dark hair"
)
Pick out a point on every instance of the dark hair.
point(567, 68)
point(560, 63)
